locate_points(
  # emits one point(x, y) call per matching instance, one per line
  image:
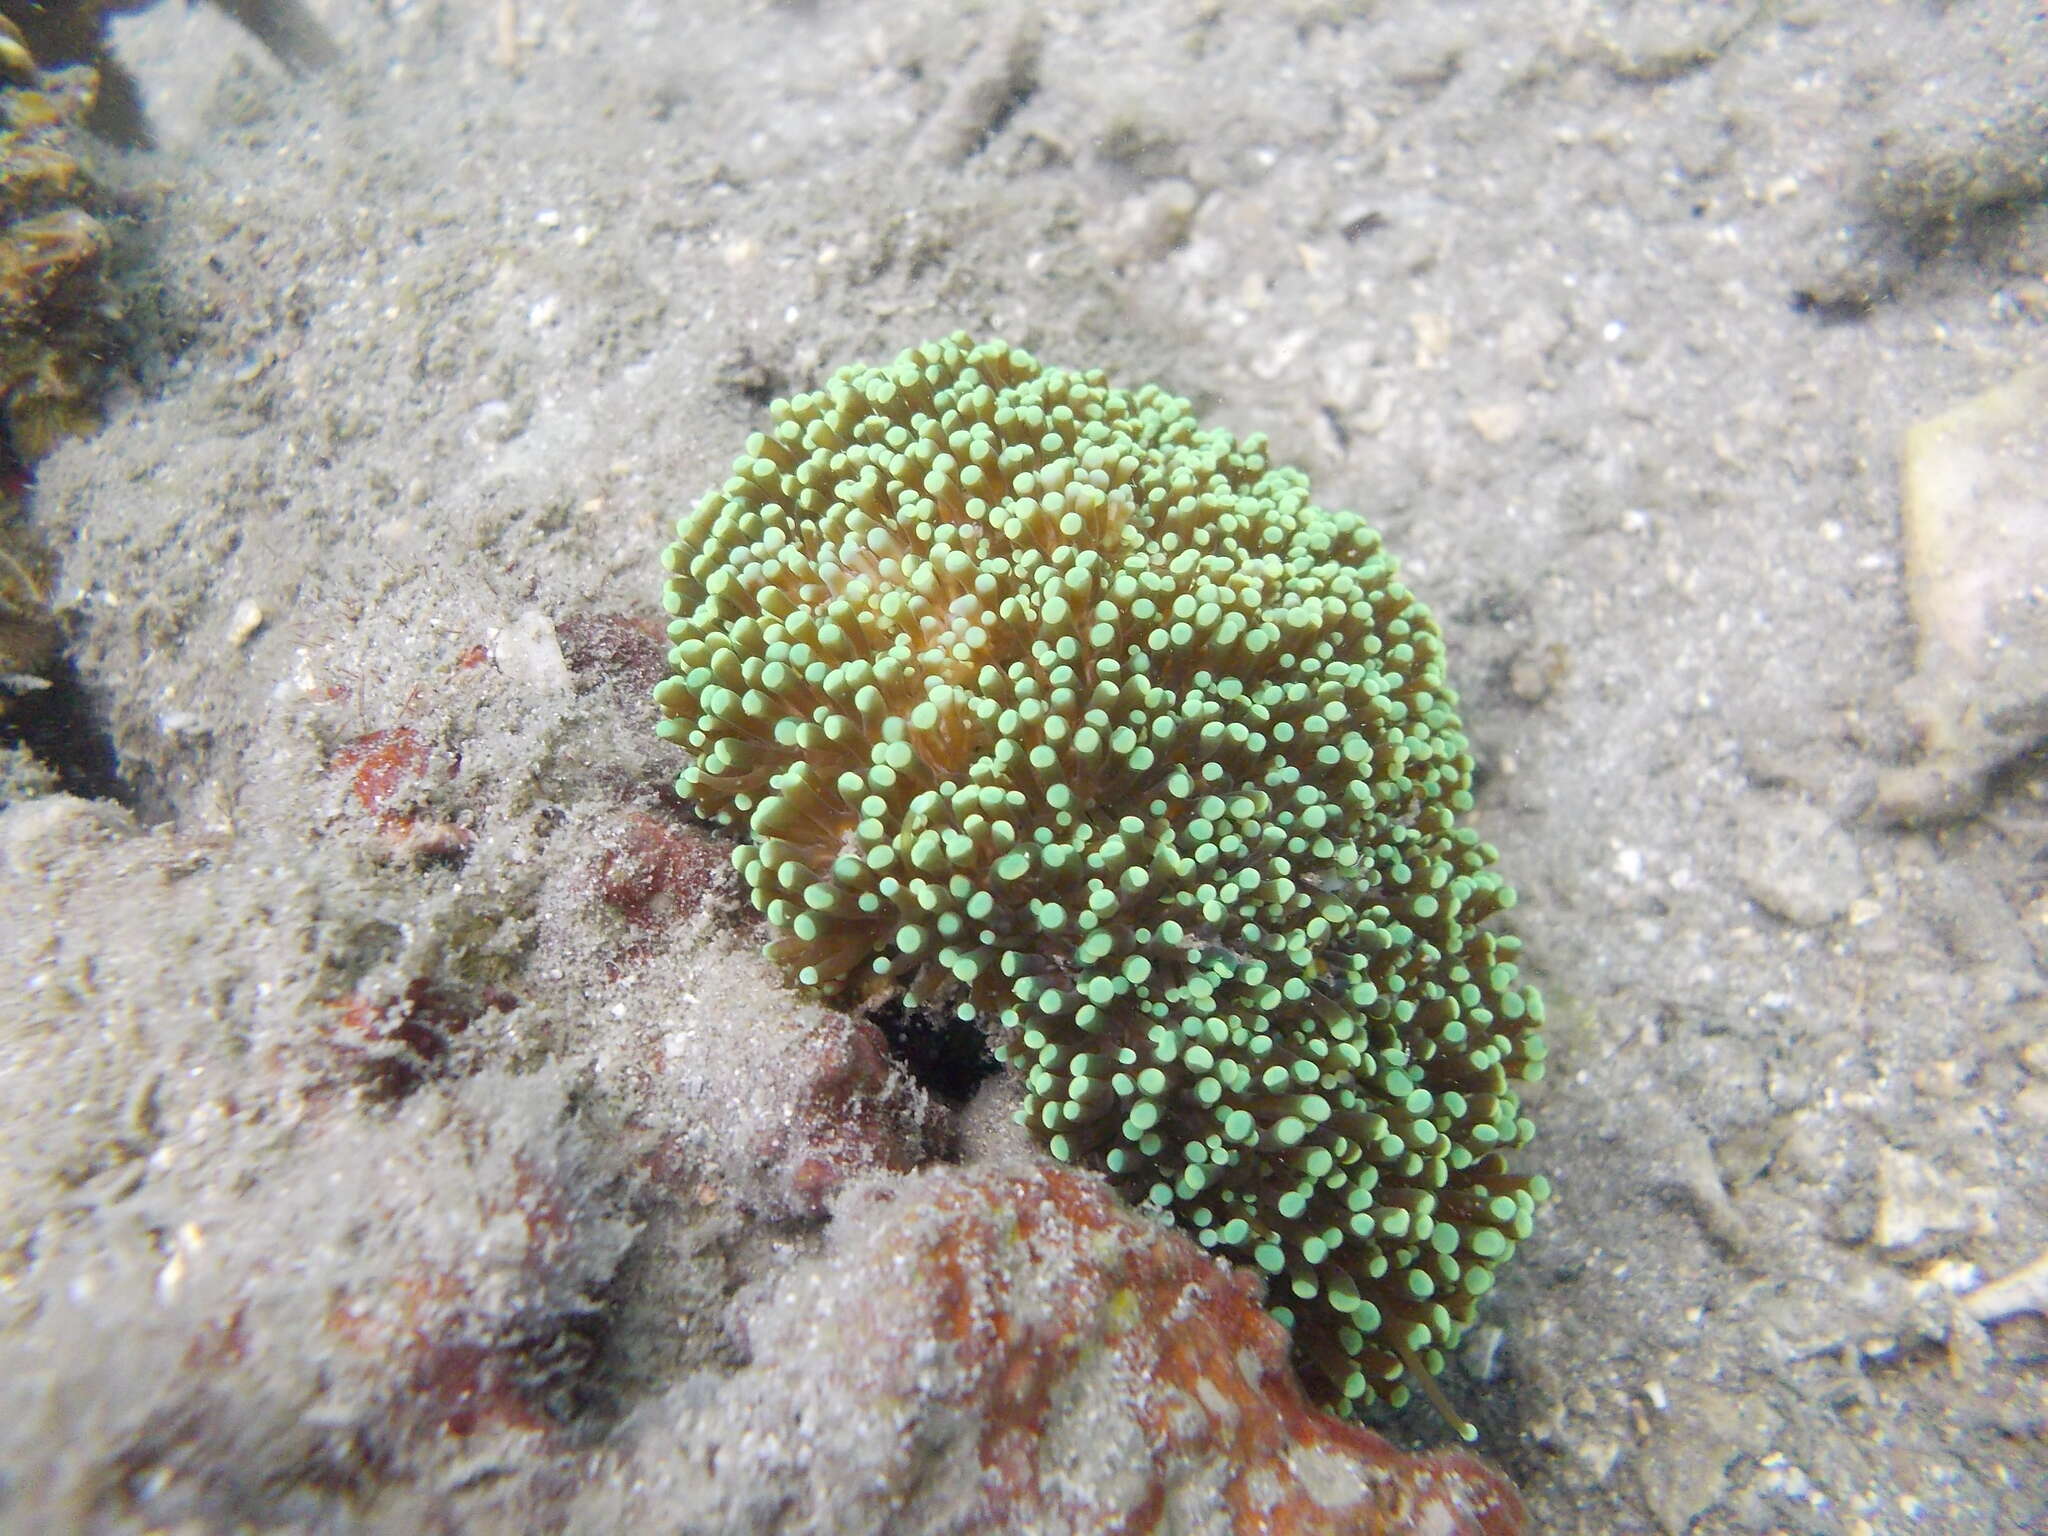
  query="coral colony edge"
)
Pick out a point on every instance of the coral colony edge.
point(1041, 703)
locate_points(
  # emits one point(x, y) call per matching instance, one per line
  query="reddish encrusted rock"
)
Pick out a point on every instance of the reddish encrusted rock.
point(393, 1043)
point(805, 1099)
point(487, 1322)
point(858, 1113)
point(381, 767)
point(379, 762)
point(654, 872)
point(629, 647)
point(1048, 1360)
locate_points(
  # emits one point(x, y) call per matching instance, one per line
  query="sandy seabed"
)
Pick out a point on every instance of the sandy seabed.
point(403, 1132)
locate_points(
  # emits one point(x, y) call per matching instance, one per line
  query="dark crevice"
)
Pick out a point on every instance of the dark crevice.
point(754, 381)
point(947, 1056)
point(60, 726)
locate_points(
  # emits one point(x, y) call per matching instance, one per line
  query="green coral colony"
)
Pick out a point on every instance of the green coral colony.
point(1048, 705)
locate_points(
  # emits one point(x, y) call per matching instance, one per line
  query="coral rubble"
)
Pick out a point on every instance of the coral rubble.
point(1052, 708)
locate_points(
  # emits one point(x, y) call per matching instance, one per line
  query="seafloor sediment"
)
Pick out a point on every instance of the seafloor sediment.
point(403, 1133)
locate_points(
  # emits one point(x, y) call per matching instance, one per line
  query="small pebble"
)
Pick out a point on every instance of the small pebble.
point(1499, 423)
point(1917, 1201)
point(527, 651)
point(244, 621)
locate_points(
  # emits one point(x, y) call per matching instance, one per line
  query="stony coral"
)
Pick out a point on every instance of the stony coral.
point(1054, 708)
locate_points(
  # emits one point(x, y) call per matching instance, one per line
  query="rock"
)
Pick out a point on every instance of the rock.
point(1944, 168)
point(2024, 1290)
point(24, 776)
point(1662, 39)
point(1977, 922)
point(2031, 1103)
point(999, 72)
point(659, 871)
point(1684, 1468)
point(36, 834)
point(1694, 1179)
point(859, 1112)
point(805, 1098)
point(1796, 863)
point(1499, 422)
point(1002, 1317)
point(528, 651)
point(1976, 536)
point(243, 623)
point(1151, 224)
point(1916, 1202)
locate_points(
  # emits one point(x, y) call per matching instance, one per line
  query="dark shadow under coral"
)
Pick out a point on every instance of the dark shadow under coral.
point(947, 1057)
